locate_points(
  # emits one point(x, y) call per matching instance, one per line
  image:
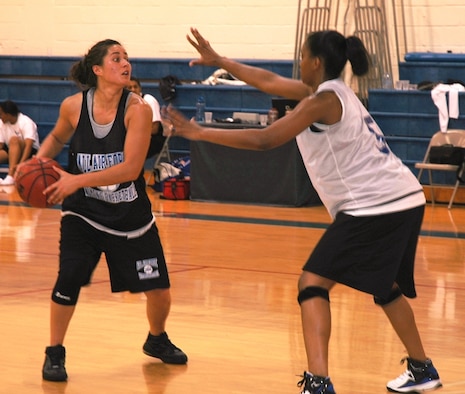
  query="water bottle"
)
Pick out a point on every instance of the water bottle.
point(387, 81)
point(200, 110)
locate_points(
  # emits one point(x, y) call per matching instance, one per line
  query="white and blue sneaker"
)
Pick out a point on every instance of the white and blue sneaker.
point(420, 376)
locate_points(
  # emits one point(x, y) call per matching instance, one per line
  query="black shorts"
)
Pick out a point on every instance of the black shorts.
point(135, 265)
point(33, 150)
point(370, 253)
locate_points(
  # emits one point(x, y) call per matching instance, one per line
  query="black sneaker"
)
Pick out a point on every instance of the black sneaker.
point(316, 384)
point(419, 376)
point(54, 365)
point(162, 348)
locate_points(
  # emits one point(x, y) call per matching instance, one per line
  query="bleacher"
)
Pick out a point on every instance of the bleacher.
point(38, 84)
point(408, 118)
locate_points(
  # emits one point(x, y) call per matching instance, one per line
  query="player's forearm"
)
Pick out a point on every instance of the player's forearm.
point(265, 80)
point(255, 76)
point(50, 147)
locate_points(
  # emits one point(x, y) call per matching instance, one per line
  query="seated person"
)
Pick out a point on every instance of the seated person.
point(158, 139)
point(19, 139)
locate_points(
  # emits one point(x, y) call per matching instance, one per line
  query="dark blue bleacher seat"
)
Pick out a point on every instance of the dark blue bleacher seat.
point(39, 83)
point(410, 118)
point(432, 66)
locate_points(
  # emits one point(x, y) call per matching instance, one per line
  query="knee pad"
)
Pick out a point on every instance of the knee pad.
point(394, 295)
point(67, 287)
point(65, 297)
point(311, 292)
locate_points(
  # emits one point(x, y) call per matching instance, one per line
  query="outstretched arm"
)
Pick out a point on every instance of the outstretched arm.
point(259, 78)
point(278, 133)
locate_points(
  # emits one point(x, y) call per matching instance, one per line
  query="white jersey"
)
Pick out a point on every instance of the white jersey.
point(24, 128)
point(152, 101)
point(351, 166)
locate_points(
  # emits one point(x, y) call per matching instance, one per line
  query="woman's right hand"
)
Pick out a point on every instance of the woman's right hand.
point(208, 57)
point(175, 123)
point(62, 188)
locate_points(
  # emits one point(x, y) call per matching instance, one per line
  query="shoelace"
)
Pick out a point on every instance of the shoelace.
point(413, 368)
point(55, 360)
point(321, 385)
point(301, 382)
point(167, 346)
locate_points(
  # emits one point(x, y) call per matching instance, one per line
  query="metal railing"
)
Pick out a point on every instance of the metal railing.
point(371, 26)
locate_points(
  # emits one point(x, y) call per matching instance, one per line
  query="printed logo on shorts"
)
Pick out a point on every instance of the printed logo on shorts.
point(147, 269)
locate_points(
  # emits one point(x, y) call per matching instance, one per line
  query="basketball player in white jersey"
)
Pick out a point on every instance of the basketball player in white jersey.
point(376, 202)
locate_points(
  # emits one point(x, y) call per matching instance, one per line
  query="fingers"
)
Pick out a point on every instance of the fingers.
point(196, 45)
point(175, 122)
point(191, 41)
point(54, 193)
point(198, 36)
point(57, 191)
point(58, 170)
point(163, 112)
point(200, 43)
point(195, 33)
point(174, 115)
point(168, 127)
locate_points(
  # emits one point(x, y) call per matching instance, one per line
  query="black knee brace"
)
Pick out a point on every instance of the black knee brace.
point(67, 287)
point(311, 292)
point(394, 295)
point(65, 298)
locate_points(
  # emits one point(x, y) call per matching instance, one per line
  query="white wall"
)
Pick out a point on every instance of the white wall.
point(246, 29)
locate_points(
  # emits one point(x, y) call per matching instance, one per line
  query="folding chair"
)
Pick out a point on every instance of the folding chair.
point(452, 137)
point(164, 153)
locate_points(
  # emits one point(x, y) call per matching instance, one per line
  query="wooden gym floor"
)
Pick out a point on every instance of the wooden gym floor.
point(234, 271)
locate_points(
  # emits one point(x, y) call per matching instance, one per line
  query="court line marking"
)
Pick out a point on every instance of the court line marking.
point(261, 221)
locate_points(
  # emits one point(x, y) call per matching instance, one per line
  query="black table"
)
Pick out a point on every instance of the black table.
point(274, 177)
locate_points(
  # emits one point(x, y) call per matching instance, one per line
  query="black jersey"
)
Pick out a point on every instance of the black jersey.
point(122, 207)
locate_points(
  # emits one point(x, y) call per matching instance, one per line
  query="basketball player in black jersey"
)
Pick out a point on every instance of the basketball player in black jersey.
point(105, 207)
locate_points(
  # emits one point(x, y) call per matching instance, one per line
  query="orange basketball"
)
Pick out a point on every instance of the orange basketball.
point(34, 176)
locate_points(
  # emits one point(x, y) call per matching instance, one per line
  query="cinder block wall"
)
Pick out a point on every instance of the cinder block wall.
point(247, 29)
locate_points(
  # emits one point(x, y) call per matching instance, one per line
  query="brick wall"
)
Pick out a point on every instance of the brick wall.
point(249, 29)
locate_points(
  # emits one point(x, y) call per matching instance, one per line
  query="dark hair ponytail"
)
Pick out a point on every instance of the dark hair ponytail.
point(335, 50)
point(357, 56)
point(81, 71)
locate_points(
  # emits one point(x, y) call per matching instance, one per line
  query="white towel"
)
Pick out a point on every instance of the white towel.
point(454, 100)
point(438, 94)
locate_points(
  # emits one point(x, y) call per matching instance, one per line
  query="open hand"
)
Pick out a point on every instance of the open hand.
point(208, 57)
point(175, 123)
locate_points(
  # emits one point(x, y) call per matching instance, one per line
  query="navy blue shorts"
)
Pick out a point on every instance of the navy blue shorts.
point(370, 253)
point(135, 265)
